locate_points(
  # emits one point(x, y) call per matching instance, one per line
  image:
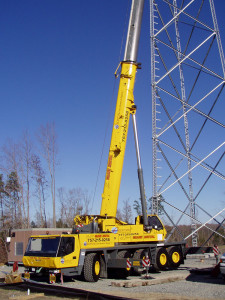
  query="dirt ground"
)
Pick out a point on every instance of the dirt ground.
point(17, 294)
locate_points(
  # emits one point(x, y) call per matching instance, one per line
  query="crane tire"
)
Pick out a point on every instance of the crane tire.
point(120, 273)
point(138, 254)
point(175, 257)
point(124, 273)
point(161, 259)
point(92, 267)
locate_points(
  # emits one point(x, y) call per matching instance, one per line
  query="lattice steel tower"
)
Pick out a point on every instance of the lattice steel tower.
point(188, 76)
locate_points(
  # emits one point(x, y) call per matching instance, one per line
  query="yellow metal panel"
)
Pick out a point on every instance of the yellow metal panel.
point(102, 240)
point(35, 261)
point(124, 107)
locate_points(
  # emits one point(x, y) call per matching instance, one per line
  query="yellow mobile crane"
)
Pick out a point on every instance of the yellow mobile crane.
point(100, 245)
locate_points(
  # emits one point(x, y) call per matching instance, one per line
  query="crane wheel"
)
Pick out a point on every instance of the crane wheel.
point(175, 257)
point(161, 259)
point(92, 267)
point(124, 272)
point(120, 273)
point(139, 254)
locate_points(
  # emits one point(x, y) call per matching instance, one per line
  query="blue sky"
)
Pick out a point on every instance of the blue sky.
point(58, 60)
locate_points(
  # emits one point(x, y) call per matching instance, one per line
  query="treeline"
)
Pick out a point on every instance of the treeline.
point(206, 235)
point(27, 172)
point(28, 187)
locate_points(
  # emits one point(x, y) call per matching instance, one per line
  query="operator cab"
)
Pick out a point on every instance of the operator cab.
point(153, 222)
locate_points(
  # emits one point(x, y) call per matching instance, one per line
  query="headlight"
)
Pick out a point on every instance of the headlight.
point(56, 271)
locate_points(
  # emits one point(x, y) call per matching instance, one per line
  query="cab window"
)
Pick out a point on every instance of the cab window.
point(42, 246)
point(66, 246)
point(155, 222)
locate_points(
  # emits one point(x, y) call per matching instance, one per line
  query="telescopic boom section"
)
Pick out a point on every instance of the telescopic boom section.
point(124, 108)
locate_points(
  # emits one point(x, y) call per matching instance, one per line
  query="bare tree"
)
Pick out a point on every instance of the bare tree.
point(48, 142)
point(119, 214)
point(87, 201)
point(41, 185)
point(2, 202)
point(72, 202)
point(13, 207)
point(11, 152)
point(26, 147)
point(13, 170)
point(127, 211)
point(17, 159)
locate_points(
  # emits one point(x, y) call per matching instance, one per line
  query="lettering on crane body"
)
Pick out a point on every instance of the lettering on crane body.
point(125, 126)
point(128, 234)
point(93, 239)
point(98, 240)
point(137, 237)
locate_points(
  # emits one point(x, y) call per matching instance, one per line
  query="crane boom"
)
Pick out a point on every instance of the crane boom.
point(124, 108)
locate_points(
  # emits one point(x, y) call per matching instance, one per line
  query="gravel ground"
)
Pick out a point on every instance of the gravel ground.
point(195, 286)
